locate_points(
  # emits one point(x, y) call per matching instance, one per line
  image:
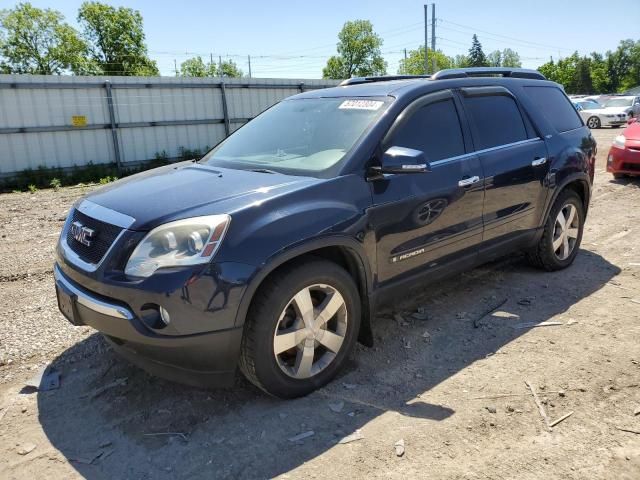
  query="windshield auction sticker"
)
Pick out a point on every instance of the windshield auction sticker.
point(361, 104)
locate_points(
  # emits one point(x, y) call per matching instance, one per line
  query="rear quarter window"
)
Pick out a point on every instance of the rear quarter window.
point(555, 107)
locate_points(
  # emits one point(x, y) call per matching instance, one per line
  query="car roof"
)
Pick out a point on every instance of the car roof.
point(413, 86)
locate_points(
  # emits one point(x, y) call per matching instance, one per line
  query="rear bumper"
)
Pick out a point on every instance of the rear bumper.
point(202, 359)
point(623, 160)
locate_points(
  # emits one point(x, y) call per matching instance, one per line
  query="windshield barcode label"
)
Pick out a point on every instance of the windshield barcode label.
point(361, 104)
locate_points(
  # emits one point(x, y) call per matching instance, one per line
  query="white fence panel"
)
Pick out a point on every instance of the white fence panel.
point(57, 121)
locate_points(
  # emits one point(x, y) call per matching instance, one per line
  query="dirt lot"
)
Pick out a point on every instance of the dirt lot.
point(455, 394)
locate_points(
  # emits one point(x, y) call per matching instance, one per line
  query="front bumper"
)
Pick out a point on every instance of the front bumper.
point(206, 359)
point(624, 160)
point(613, 122)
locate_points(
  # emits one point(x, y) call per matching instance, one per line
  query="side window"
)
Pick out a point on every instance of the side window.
point(555, 106)
point(434, 129)
point(496, 119)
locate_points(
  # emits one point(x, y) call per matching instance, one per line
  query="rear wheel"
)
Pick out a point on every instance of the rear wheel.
point(560, 241)
point(300, 329)
point(593, 122)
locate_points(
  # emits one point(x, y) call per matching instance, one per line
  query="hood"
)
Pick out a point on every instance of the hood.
point(632, 133)
point(190, 189)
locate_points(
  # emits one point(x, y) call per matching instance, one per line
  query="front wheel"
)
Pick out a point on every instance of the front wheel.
point(560, 241)
point(593, 122)
point(300, 329)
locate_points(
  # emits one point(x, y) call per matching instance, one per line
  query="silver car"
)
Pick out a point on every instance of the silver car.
point(596, 115)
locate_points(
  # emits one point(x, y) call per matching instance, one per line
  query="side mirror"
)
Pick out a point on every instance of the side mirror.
point(403, 160)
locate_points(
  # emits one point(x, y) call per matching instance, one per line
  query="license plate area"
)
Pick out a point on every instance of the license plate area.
point(67, 305)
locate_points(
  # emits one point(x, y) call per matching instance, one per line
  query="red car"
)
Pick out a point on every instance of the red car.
point(624, 155)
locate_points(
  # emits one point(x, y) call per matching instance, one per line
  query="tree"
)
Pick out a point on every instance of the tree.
point(504, 58)
point(116, 38)
point(460, 61)
point(414, 63)
point(494, 59)
point(228, 68)
point(510, 58)
point(476, 55)
point(195, 67)
point(358, 52)
point(38, 41)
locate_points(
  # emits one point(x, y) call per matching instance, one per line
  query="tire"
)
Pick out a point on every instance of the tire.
point(276, 307)
point(593, 122)
point(544, 255)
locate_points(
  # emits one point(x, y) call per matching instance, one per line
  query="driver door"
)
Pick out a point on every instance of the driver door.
point(422, 220)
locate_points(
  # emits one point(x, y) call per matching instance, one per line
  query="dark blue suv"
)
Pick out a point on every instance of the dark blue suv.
point(272, 252)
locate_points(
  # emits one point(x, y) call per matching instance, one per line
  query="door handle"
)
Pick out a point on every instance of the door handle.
point(465, 182)
point(538, 161)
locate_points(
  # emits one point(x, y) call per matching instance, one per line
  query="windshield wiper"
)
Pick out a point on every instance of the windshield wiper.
point(262, 170)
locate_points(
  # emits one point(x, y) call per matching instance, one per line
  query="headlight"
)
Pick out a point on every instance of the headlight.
point(619, 141)
point(191, 241)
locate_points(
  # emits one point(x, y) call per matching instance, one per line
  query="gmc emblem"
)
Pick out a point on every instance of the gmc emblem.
point(81, 233)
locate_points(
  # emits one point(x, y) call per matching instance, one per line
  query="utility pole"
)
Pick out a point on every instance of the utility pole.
point(426, 39)
point(175, 66)
point(433, 36)
point(249, 62)
point(404, 67)
point(219, 65)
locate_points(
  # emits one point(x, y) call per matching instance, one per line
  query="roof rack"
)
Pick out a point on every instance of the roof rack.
point(488, 71)
point(382, 78)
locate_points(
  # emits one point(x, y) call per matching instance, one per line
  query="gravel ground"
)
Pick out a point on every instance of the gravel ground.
point(454, 393)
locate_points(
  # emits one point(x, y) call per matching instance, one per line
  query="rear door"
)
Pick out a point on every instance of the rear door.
point(421, 219)
point(514, 160)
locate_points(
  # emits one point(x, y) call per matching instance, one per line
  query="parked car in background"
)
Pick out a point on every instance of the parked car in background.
point(628, 104)
point(273, 251)
point(624, 154)
point(597, 116)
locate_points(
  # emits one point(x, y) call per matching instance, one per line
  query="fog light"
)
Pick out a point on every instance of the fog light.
point(164, 316)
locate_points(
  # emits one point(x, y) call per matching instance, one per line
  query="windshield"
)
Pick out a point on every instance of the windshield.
point(299, 137)
point(589, 105)
point(618, 102)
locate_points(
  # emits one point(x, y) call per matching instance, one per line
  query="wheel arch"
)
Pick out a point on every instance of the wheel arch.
point(344, 251)
point(577, 182)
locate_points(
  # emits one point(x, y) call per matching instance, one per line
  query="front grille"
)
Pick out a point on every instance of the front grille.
point(104, 236)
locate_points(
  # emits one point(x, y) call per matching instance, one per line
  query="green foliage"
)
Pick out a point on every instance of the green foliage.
point(116, 40)
point(102, 173)
point(32, 188)
point(504, 58)
point(195, 67)
point(37, 41)
point(414, 64)
point(229, 68)
point(359, 52)
point(460, 61)
point(610, 72)
point(477, 57)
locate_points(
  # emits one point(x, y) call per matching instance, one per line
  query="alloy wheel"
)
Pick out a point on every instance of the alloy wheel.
point(310, 331)
point(566, 230)
point(593, 123)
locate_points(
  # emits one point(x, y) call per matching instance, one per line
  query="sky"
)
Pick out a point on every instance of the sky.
point(294, 39)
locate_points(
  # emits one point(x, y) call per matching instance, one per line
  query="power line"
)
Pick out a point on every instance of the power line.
point(474, 29)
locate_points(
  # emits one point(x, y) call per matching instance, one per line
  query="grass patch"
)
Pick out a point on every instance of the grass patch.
point(54, 177)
